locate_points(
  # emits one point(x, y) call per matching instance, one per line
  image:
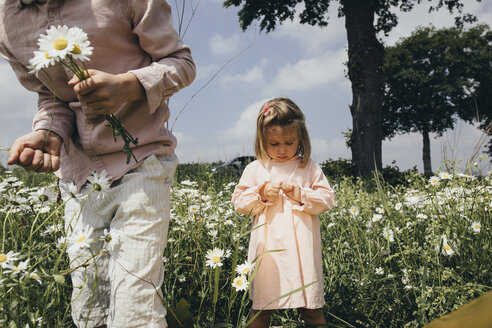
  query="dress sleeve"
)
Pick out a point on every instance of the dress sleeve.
point(172, 66)
point(246, 197)
point(319, 196)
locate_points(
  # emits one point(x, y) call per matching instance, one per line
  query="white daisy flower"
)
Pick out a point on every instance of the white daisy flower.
point(44, 195)
point(379, 271)
point(80, 239)
point(228, 222)
point(40, 61)
point(445, 176)
point(7, 259)
point(240, 283)
point(388, 234)
point(245, 268)
point(61, 241)
point(398, 206)
point(434, 180)
point(34, 276)
point(70, 190)
point(380, 210)
point(193, 208)
point(354, 211)
point(15, 269)
point(376, 217)
point(81, 45)
point(57, 42)
point(421, 216)
point(214, 257)
point(53, 229)
point(446, 248)
point(476, 226)
point(100, 181)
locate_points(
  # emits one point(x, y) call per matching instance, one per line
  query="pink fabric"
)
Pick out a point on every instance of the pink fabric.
point(128, 36)
point(288, 226)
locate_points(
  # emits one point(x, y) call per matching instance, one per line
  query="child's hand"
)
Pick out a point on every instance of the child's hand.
point(270, 191)
point(293, 191)
point(103, 93)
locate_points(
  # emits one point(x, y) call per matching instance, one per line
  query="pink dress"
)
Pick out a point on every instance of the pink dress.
point(290, 228)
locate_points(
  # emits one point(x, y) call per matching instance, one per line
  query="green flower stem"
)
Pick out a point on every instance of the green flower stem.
point(119, 130)
point(216, 291)
point(114, 123)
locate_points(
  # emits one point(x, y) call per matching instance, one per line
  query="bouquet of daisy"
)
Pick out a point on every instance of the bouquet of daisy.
point(68, 46)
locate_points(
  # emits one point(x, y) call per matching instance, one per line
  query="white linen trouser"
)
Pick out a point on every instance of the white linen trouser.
point(122, 288)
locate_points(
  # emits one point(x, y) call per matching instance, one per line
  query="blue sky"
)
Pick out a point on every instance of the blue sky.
point(304, 63)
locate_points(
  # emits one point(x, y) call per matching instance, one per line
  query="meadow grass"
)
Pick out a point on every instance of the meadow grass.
point(393, 255)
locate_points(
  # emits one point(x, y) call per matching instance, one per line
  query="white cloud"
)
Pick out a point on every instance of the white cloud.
point(224, 46)
point(314, 39)
point(244, 128)
point(322, 150)
point(324, 70)
point(252, 76)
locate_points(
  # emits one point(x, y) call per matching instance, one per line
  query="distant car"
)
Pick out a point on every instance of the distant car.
point(235, 165)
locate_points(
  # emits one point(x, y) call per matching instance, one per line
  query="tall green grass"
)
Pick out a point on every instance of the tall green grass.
point(395, 255)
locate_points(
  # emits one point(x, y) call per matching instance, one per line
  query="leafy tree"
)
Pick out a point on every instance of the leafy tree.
point(432, 78)
point(365, 54)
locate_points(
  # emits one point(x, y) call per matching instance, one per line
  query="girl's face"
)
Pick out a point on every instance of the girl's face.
point(281, 142)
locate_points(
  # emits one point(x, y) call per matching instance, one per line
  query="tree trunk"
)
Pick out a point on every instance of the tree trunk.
point(426, 152)
point(365, 55)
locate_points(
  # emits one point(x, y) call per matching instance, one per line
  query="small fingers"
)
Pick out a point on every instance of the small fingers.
point(32, 160)
point(55, 162)
point(46, 165)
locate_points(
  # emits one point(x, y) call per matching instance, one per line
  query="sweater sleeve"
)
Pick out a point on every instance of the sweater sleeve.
point(246, 197)
point(319, 196)
point(172, 66)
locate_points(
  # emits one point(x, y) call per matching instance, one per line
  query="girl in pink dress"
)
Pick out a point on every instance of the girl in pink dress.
point(285, 191)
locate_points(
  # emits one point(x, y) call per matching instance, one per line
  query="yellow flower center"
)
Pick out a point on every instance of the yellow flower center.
point(216, 259)
point(3, 258)
point(246, 270)
point(60, 44)
point(477, 226)
point(46, 55)
point(447, 247)
point(76, 50)
point(16, 269)
point(81, 239)
point(239, 283)
point(97, 187)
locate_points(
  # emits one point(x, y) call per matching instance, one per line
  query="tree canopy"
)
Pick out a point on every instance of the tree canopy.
point(434, 77)
point(363, 20)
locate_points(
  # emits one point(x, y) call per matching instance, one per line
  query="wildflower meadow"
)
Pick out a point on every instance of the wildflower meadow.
point(394, 255)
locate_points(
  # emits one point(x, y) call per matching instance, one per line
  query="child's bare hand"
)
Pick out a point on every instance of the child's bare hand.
point(293, 191)
point(36, 151)
point(270, 191)
point(103, 93)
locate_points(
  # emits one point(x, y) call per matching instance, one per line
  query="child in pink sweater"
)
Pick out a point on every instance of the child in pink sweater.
point(285, 191)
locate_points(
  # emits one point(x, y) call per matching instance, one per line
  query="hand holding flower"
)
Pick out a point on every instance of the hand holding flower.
point(103, 93)
point(270, 191)
point(292, 191)
point(37, 151)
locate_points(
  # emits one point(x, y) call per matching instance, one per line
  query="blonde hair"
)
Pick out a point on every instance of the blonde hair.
point(282, 112)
